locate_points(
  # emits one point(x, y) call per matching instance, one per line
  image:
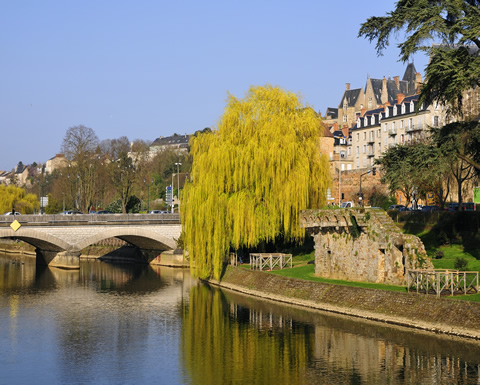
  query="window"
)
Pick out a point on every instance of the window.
point(379, 132)
point(364, 148)
point(403, 108)
point(358, 136)
point(365, 135)
point(402, 124)
point(385, 129)
point(435, 121)
point(358, 150)
point(370, 102)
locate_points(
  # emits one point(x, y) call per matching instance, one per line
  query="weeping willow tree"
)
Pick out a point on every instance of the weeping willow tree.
point(14, 197)
point(252, 176)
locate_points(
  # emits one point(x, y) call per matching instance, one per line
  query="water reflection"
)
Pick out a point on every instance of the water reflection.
point(102, 324)
point(228, 337)
point(131, 324)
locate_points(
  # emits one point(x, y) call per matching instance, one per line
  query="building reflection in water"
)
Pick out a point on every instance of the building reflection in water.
point(258, 341)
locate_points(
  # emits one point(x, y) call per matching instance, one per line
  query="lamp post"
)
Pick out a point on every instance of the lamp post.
point(178, 164)
point(72, 181)
point(360, 194)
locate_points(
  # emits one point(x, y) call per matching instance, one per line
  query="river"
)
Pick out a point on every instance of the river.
point(134, 324)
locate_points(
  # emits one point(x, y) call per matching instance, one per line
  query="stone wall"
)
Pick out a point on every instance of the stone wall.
point(362, 245)
point(427, 312)
point(350, 185)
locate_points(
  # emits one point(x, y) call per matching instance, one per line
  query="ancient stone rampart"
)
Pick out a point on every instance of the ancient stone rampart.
point(362, 245)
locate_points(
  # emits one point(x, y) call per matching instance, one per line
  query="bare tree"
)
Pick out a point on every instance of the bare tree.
point(80, 146)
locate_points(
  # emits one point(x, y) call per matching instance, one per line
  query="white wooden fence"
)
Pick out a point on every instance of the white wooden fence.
point(439, 282)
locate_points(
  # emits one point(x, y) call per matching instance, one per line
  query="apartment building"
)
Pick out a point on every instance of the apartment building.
point(401, 123)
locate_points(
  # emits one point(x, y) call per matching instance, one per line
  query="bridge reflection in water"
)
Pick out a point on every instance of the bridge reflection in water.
point(127, 323)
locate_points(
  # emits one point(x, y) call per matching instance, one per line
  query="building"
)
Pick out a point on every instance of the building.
point(58, 161)
point(176, 143)
point(377, 92)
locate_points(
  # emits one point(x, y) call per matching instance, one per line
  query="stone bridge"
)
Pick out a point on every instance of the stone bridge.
point(362, 245)
point(59, 239)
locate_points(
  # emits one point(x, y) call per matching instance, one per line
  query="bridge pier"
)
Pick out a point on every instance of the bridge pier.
point(60, 259)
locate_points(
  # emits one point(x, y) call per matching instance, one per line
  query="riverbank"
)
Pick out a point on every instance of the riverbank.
point(419, 311)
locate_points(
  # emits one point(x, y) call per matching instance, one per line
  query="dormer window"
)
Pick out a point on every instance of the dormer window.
point(403, 108)
point(359, 122)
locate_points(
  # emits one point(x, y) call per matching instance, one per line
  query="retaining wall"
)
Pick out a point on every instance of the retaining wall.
point(440, 315)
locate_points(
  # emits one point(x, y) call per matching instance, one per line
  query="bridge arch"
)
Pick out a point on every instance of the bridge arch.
point(36, 238)
point(141, 238)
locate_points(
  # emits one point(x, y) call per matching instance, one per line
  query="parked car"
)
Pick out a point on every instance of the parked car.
point(71, 212)
point(428, 209)
point(345, 205)
point(10, 213)
point(158, 212)
point(397, 207)
point(104, 212)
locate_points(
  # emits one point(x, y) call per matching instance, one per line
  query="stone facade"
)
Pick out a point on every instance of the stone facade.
point(362, 245)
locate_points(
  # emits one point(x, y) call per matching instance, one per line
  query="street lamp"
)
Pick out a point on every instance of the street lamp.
point(178, 164)
point(72, 181)
point(360, 194)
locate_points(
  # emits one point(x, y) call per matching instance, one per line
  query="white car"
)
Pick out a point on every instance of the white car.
point(10, 213)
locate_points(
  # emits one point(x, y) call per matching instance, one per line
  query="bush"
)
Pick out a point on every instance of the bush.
point(380, 199)
point(439, 254)
point(461, 263)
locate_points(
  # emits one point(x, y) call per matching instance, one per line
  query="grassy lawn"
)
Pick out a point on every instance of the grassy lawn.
point(306, 272)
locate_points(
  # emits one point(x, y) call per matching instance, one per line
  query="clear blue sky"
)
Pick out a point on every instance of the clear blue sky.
point(145, 69)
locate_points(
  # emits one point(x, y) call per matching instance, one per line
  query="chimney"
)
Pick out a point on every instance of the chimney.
point(362, 113)
point(347, 86)
point(384, 94)
point(418, 82)
point(400, 98)
point(397, 81)
point(345, 131)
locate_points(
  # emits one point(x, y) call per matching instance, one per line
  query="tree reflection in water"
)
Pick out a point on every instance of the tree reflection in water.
point(231, 338)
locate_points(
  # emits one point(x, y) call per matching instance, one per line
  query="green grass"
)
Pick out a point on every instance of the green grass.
point(450, 254)
point(306, 272)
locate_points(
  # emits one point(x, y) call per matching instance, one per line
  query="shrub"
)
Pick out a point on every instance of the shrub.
point(439, 254)
point(461, 263)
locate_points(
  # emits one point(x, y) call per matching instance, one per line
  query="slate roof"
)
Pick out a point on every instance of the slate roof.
point(332, 113)
point(351, 96)
point(174, 140)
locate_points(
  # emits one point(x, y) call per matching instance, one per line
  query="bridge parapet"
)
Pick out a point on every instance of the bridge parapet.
point(91, 219)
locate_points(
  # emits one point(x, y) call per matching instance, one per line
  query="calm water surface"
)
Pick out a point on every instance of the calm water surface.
point(131, 324)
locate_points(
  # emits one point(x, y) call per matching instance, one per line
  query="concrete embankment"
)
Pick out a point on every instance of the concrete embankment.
point(425, 312)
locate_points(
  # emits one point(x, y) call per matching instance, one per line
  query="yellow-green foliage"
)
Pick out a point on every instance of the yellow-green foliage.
point(217, 349)
point(15, 197)
point(252, 176)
